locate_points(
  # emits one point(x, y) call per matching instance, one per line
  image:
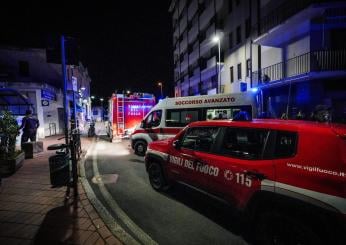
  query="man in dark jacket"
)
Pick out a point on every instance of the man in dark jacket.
point(29, 126)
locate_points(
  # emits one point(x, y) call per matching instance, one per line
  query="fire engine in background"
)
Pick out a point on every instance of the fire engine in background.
point(170, 115)
point(125, 112)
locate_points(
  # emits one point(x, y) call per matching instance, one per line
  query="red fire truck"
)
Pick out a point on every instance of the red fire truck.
point(126, 111)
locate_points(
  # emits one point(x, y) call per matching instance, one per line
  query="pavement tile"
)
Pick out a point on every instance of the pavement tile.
point(104, 232)
point(85, 202)
point(88, 208)
point(92, 227)
point(113, 241)
point(83, 197)
point(92, 239)
point(79, 236)
point(100, 241)
point(93, 214)
point(98, 223)
point(31, 211)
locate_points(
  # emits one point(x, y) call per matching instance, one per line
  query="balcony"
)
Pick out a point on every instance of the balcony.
point(193, 32)
point(192, 9)
point(291, 20)
point(311, 65)
point(183, 22)
point(211, 69)
point(208, 13)
point(193, 57)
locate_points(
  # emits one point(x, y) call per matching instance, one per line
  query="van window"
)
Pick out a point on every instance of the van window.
point(181, 118)
point(154, 118)
point(200, 138)
point(244, 143)
point(225, 112)
point(285, 145)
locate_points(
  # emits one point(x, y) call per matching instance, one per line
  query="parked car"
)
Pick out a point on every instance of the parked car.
point(288, 176)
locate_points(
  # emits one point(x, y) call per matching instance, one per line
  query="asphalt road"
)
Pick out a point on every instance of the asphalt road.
point(179, 216)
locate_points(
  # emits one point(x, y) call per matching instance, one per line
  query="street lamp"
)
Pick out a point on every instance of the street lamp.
point(102, 115)
point(160, 84)
point(92, 97)
point(217, 39)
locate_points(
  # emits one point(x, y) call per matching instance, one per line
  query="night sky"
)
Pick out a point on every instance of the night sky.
point(126, 45)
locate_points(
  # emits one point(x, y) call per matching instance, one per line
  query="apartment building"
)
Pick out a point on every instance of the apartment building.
point(291, 52)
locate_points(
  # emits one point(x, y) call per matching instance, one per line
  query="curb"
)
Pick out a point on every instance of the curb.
point(119, 234)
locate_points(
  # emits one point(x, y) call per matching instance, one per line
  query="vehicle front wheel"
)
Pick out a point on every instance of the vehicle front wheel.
point(275, 228)
point(156, 177)
point(140, 148)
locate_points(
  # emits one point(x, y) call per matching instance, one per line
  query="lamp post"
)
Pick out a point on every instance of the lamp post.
point(160, 84)
point(217, 39)
point(102, 115)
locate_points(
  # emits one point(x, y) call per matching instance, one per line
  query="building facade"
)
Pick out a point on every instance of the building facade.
point(291, 52)
point(27, 71)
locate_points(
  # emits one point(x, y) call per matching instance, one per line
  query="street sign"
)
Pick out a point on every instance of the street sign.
point(243, 87)
point(48, 94)
point(74, 84)
point(45, 102)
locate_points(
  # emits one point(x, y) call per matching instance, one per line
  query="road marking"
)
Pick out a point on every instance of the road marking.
point(136, 230)
point(114, 227)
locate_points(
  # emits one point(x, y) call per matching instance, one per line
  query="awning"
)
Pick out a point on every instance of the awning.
point(12, 100)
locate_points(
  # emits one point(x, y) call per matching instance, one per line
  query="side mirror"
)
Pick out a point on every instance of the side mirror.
point(142, 124)
point(145, 125)
point(176, 144)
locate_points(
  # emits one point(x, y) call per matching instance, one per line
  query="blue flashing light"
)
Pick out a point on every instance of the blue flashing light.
point(254, 90)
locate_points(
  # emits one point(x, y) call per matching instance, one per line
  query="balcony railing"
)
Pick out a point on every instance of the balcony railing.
point(314, 61)
point(283, 12)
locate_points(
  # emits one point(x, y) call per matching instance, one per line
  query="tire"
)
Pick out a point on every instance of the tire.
point(275, 228)
point(140, 148)
point(156, 177)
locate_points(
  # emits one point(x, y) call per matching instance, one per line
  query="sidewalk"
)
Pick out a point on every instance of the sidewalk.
point(31, 212)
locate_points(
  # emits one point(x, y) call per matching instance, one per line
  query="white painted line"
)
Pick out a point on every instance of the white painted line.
point(136, 230)
point(114, 227)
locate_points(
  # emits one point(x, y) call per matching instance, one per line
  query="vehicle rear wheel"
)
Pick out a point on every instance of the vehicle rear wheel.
point(274, 228)
point(156, 177)
point(140, 148)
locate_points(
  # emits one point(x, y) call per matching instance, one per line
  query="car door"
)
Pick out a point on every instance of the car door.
point(240, 160)
point(187, 161)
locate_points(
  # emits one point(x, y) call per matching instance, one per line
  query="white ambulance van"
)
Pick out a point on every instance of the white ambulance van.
point(170, 115)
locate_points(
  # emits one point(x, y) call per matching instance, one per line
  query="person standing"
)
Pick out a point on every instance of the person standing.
point(29, 126)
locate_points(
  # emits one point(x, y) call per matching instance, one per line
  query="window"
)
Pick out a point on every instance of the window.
point(285, 145)
point(231, 74)
point(239, 71)
point(230, 6)
point(154, 119)
point(244, 143)
point(247, 27)
point(200, 138)
point(230, 40)
point(181, 118)
point(248, 67)
point(24, 68)
point(238, 34)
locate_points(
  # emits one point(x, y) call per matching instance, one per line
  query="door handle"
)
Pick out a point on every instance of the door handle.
point(254, 174)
